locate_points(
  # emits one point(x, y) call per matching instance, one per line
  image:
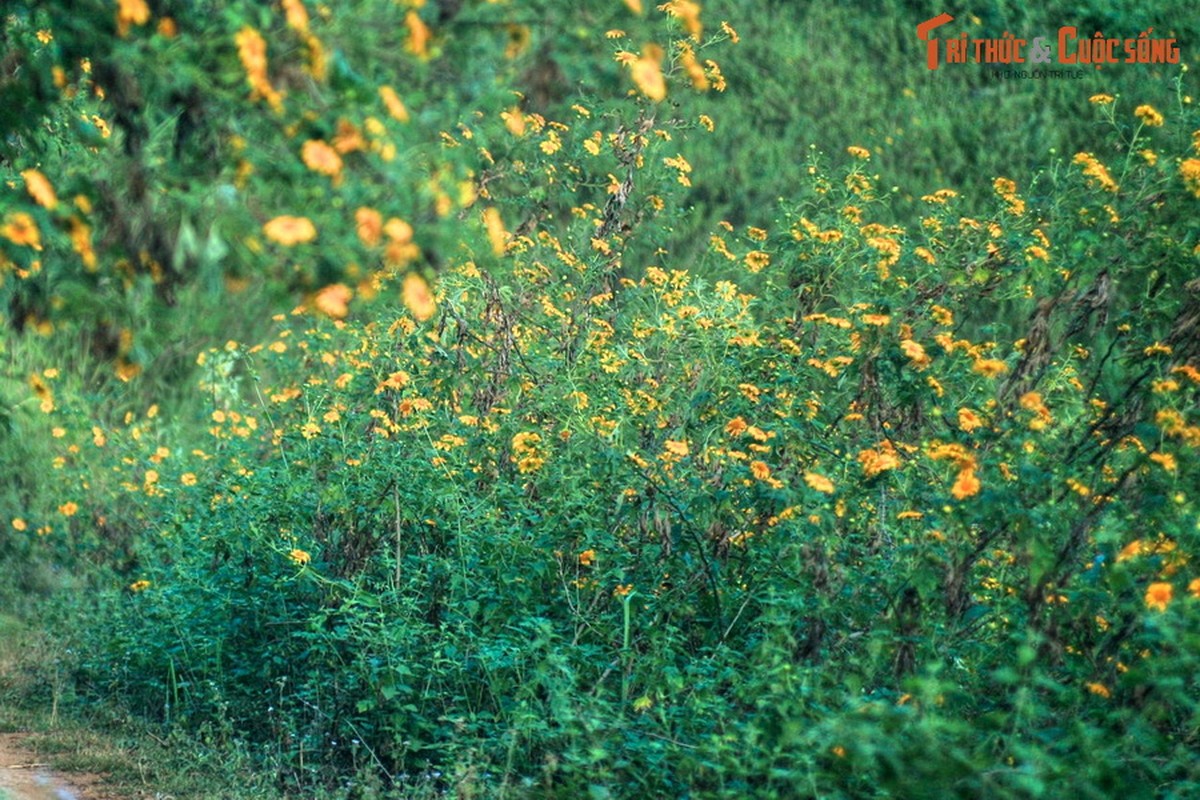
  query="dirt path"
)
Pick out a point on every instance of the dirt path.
point(24, 777)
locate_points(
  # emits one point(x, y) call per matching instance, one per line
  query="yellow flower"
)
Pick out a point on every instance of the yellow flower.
point(818, 482)
point(287, 230)
point(418, 35)
point(760, 470)
point(370, 225)
point(756, 260)
point(40, 189)
point(333, 300)
point(188, 479)
point(861, 153)
point(300, 557)
point(139, 586)
point(990, 367)
point(68, 509)
point(587, 558)
point(1099, 689)
point(321, 158)
point(916, 353)
point(1101, 99)
point(310, 430)
point(1149, 116)
point(1097, 172)
point(20, 229)
point(1189, 170)
point(131, 12)
point(393, 104)
point(21, 525)
point(736, 426)
point(965, 485)
point(1158, 596)
point(676, 447)
point(647, 73)
point(1166, 460)
point(297, 15)
point(1193, 586)
point(497, 233)
point(418, 297)
point(688, 12)
point(968, 420)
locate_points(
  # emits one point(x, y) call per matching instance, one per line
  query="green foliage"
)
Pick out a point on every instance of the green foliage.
point(549, 485)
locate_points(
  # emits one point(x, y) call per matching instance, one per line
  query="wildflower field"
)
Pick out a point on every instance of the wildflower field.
point(607, 399)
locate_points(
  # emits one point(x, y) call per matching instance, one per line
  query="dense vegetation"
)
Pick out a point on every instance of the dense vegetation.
point(601, 399)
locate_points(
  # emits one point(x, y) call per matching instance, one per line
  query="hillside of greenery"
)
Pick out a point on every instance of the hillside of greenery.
point(514, 398)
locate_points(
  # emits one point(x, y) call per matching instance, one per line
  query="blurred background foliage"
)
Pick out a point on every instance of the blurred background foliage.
point(522, 398)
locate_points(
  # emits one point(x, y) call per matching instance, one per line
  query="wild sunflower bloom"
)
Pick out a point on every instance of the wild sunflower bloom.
point(860, 153)
point(139, 586)
point(990, 367)
point(965, 485)
point(1158, 596)
point(587, 558)
point(1099, 689)
point(322, 159)
point(757, 260)
point(418, 297)
point(1189, 170)
point(676, 447)
point(968, 420)
point(818, 482)
point(647, 73)
point(1149, 116)
point(393, 104)
point(69, 509)
point(760, 470)
point(287, 230)
point(131, 12)
point(1101, 99)
point(370, 225)
point(916, 354)
point(40, 189)
point(1095, 171)
point(21, 229)
point(334, 300)
point(300, 557)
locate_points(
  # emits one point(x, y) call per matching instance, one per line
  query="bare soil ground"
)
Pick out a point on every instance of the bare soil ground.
point(24, 777)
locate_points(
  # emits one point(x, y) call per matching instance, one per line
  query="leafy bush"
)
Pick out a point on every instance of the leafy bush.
point(834, 504)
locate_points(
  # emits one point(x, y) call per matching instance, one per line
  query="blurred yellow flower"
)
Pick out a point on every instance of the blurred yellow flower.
point(321, 158)
point(131, 12)
point(40, 189)
point(287, 230)
point(1189, 170)
point(647, 73)
point(20, 229)
point(300, 557)
point(819, 482)
point(676, 447)
point(370, 225)
point(334, 300)
point(418, 297)
point(393, 104)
